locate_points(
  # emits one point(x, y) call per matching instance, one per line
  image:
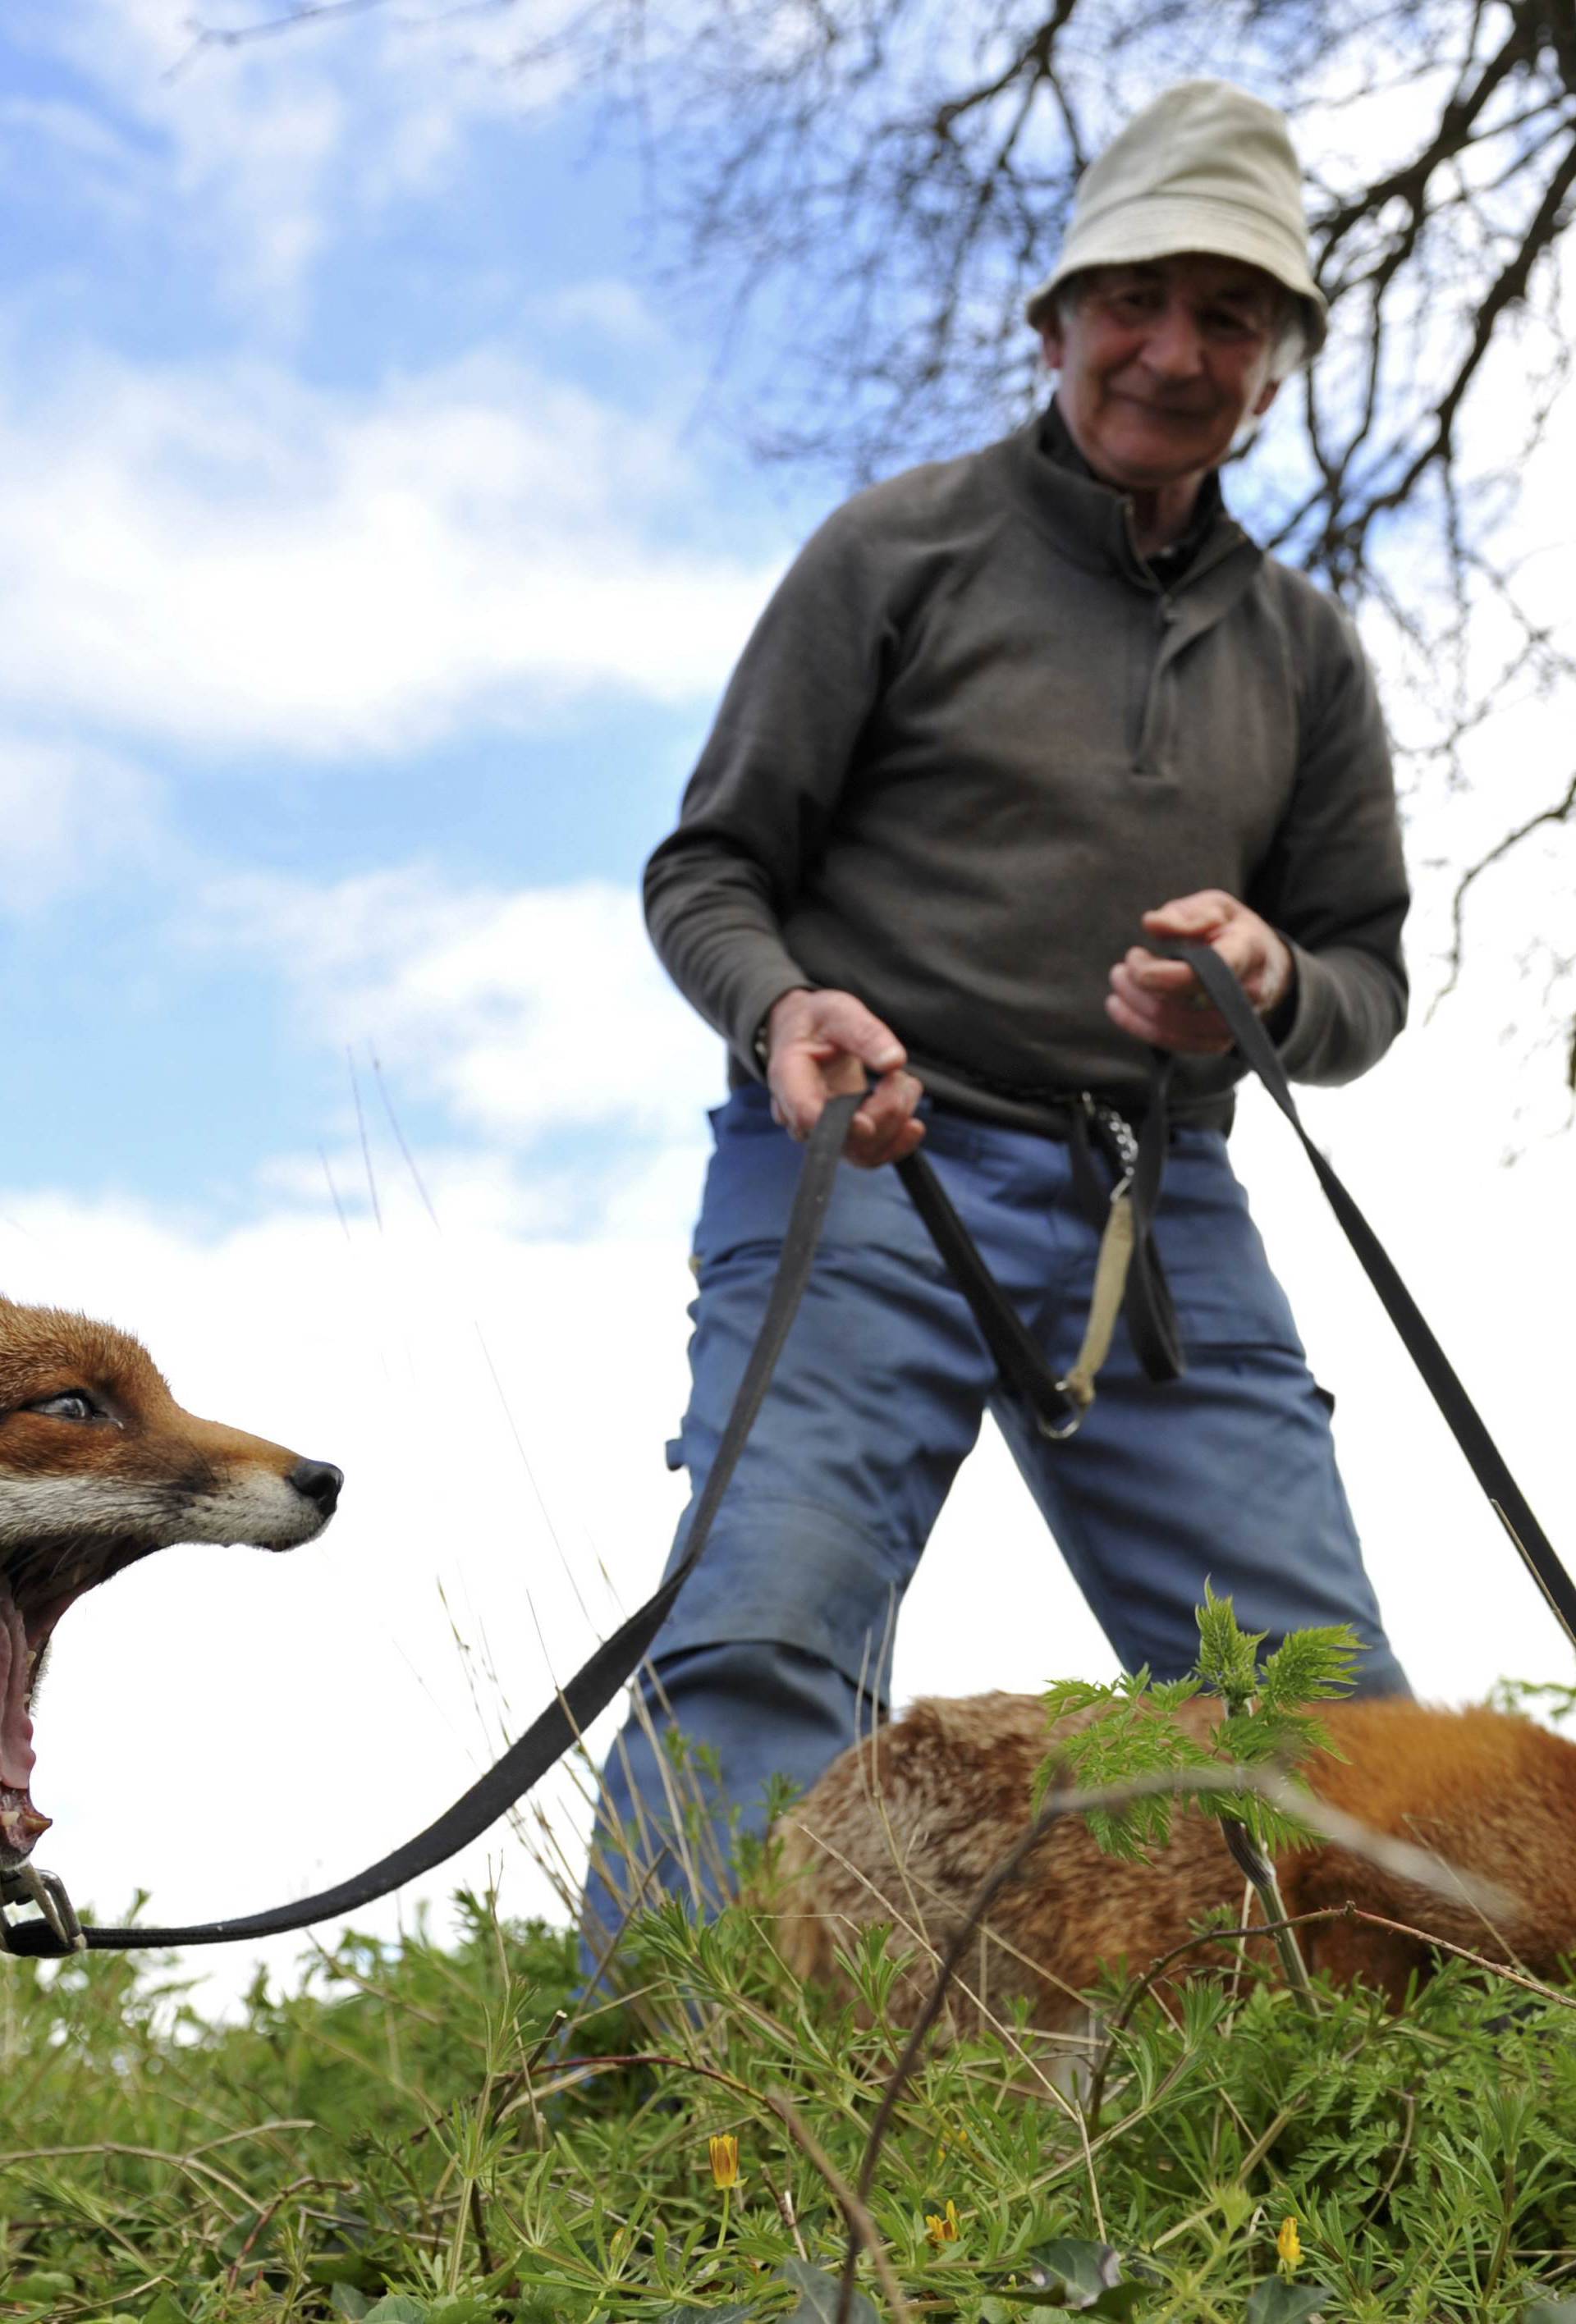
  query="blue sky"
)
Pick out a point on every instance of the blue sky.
point(373, 550)
point(315, 362)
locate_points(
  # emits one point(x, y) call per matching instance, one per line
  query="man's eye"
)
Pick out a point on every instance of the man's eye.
point(1222, 323)
point(71, 1404)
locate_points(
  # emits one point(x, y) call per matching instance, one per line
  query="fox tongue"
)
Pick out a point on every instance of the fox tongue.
point(20, 1821)
point(15, 1726)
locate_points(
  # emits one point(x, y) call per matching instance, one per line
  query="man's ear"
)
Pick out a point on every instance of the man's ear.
point(1266, 396)
point(1051, 340)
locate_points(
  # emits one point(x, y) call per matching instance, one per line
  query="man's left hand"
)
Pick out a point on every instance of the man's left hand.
point(1162, 1002)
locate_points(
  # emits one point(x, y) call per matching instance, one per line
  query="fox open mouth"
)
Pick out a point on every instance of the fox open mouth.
point(28, 1616)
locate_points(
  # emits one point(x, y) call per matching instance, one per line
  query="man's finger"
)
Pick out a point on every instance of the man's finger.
point(800, 1087)
point(1195, 915)
point(1166, 1024)
point(1157, 975)
point(889, 1105)
point(1185, 1035)
point(897, 1142)
point(841, 1018)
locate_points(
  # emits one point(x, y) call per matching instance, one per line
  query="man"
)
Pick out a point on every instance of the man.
point(1005, 717)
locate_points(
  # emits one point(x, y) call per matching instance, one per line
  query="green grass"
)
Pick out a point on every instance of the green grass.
point(406, 2124)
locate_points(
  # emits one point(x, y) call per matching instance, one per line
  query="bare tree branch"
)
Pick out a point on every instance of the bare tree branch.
point(865, 189)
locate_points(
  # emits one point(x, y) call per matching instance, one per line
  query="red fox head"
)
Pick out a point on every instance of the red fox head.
point(99, 1466)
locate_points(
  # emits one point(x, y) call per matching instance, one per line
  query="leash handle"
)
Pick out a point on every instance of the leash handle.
point(1461, 1415)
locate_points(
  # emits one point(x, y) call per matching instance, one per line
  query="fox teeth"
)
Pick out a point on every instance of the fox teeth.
point(21, 1824)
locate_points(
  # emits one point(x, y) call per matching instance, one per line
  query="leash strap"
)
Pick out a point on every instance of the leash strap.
point(1127, 1275)
point(1057, 1407)
point(1488, 1464)
point(1017, 1359)
point(1139, 1162)
point(591, 1689)
point(1111, 1270)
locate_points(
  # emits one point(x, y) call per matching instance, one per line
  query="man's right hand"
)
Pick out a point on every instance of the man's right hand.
point(819, 1044)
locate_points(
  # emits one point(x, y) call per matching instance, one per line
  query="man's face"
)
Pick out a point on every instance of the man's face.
point(1161, 364)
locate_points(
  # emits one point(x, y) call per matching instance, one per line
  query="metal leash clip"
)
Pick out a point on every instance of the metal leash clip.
point(23, 1886)
point(1057, 1432)
point(1119, 1131)
point(1117, 1139)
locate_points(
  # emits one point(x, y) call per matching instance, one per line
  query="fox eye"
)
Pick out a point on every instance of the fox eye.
point(71, 1404)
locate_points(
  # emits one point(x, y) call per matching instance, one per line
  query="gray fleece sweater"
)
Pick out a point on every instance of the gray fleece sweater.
point(973, 737)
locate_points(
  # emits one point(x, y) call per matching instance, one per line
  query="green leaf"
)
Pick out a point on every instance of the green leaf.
point(346, 2300)
point(1071, 2275)
point(353, 2268)
point(42, 2288)
point(397, 2308)
point(1310, 1667)
point(165, 2310)
point(1081, 2266)
point(1276, 2301)
point(1228, 1653)
point(712, 2315)
point(818, 2302)
point(1550, 2312)
point(1064, 1696)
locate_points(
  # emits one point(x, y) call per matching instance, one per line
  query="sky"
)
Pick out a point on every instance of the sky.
point(373, 551)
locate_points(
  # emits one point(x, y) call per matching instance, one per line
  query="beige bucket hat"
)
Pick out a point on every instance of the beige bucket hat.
point(1206, 167)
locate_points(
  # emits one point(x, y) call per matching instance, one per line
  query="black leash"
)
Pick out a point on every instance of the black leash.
point(1023, 1368)
point(1137, 1163)
point(1017, 1359)
point(1508, 1502)
point(591, 1689)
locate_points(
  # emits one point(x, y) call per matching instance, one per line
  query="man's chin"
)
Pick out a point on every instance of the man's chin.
point(1142, 455)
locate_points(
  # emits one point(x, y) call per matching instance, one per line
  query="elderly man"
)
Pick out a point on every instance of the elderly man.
point(1007, 717)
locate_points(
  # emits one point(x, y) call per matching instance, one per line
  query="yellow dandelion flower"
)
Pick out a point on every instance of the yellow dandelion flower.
point(1289, 2245)
point(942, 2228)
point(724, 2160)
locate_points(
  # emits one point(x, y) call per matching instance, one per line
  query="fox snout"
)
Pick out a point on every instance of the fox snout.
point(319, 1481)
point(241, 1489)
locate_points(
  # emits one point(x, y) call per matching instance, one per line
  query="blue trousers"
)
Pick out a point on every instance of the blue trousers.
point(778, 1650)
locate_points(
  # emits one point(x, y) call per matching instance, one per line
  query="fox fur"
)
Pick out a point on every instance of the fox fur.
point(905, 1827)
point(99, 1466)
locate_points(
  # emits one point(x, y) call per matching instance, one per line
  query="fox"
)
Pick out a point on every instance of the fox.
point(100, 1467)
point(904, 1826)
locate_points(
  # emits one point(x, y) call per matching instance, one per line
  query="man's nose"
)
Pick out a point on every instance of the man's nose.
point(1174, 347)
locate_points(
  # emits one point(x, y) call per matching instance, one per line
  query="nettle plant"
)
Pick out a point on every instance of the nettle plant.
point(1268, 1724)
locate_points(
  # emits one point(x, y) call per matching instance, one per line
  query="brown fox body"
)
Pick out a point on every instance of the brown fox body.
point(98, 1467)
point(903, 1827)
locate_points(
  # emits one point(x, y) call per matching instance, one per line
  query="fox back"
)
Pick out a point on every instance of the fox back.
point(905, 1827)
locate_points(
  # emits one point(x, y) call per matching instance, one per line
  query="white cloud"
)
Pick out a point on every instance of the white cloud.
point(231, 560)
point(257, 154)
point(71, 814)
point(525, 1011)
point(607, 307)
point(240, 151)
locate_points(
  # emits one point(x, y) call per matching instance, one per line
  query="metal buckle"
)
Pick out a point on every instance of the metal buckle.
point(24, 1885)
point(1118, 1129)
point(1070, 1428)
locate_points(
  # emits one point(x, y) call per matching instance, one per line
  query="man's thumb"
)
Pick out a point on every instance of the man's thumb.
point(864, 1035)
